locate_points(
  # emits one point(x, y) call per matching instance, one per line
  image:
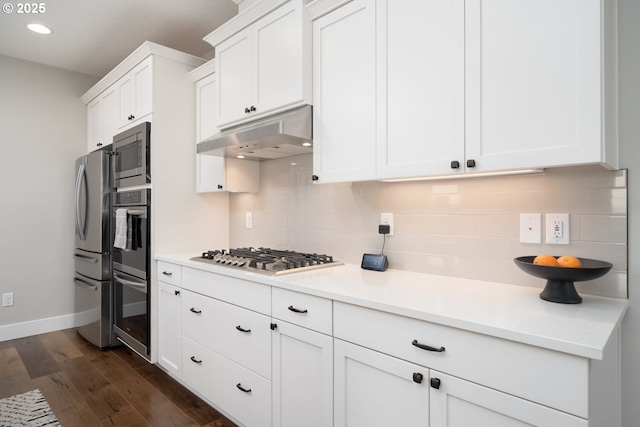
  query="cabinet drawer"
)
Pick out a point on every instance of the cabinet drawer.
point(555, 379)
point(169, 273)
point(304, 310)
point(220, 381)
point(251, 295)
point(241, 335)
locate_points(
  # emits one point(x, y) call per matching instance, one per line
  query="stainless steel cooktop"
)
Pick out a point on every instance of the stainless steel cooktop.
point(267, 261)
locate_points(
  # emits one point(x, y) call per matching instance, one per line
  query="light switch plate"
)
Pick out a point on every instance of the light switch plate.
point(531, 228)
point(248, 220)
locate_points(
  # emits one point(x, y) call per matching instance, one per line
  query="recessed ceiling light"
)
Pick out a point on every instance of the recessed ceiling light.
point(40, 29)
point(240, 156)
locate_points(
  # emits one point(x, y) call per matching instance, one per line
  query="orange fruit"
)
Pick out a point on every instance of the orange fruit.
point(545, 259)
point(569, 261)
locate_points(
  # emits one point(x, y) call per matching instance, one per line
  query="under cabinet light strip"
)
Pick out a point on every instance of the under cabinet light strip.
point(468, 175)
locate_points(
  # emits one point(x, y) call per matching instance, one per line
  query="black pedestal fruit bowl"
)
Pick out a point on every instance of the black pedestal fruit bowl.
point(560, 286)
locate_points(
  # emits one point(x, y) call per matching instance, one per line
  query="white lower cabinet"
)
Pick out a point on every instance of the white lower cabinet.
point(459, 403)
point(239, 392)
point(373, 389)
point(267, 356)
point(302, 349)
point(169, 328)
point(302, 377)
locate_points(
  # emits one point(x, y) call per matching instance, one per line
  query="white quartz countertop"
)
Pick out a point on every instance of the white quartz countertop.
point(506, 311)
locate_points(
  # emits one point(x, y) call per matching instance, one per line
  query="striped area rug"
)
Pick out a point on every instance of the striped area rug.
point(28, 409)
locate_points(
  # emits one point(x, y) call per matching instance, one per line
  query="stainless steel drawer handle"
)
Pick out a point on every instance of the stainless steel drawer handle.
point(194, 360)
point(167, 273)
point(246, 390)
point(82, 284)
point(427, 347)
point(241, 329)
point(85, 258)
point(296, 310)
point(193, 310)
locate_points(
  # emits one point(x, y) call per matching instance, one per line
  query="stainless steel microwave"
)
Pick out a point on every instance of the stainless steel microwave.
point(132, 165)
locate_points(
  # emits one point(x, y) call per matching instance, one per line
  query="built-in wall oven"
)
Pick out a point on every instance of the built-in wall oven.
point(131, 268)
point(132, 156)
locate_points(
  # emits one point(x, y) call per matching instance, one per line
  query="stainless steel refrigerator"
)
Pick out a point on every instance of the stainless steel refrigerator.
point(92, 254)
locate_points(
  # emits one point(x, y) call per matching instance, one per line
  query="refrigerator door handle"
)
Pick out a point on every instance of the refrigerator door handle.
point(85, 258)
point(82, 284)
point(80, 224)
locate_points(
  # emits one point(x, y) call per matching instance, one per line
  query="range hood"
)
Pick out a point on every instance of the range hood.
point(282, 135)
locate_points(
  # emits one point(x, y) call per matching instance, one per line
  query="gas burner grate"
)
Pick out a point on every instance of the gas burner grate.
point(267, 260)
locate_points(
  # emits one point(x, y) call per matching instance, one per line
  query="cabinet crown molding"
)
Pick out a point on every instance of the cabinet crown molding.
point(203, 71)
point(242, 20)
point(146, 49)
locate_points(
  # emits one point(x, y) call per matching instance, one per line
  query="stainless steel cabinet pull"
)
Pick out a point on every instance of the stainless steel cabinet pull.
point(296, 310)
point(427, 347)
point(194, 360)
point(246, 390)
point(167, 273)
point(193, 310)
point(241, 329)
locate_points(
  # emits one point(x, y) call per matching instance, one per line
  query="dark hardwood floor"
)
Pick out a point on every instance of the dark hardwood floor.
point(87, 387)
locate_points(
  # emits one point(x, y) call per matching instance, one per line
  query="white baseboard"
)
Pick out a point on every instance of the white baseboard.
point(42, 326)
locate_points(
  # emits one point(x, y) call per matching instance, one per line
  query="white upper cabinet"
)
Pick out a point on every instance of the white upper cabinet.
point(209, 169)
point(217, 173)
point(410, 88)
point(102, 119)
point(344, 93)
point(534, 84)
point(266, 67)
point(136, 93)
point(420, 86)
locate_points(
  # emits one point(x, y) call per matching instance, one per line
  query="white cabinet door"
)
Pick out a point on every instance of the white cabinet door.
point(102, 115)
point(533, 83)
point(216, 173)
point(344, 94)
point(170, 328)
point(373, 389)
point(94, 125)
point(459, 403)
point(266, 67)
point(136, 93)
point(283, 58)
point(234, 65)
point(302, 377)
point(420, 87)
point(209, 169)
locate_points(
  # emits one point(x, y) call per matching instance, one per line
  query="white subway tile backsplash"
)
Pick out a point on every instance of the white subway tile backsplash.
point(465, 227)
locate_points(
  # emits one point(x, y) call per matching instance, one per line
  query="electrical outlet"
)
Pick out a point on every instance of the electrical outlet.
point(7, 299)
point(249, 220)
point(558, 231)
point(387, 219)
point(531, 228)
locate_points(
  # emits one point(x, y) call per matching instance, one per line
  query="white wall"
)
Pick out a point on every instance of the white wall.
point(629, 39)
point(42, 132)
